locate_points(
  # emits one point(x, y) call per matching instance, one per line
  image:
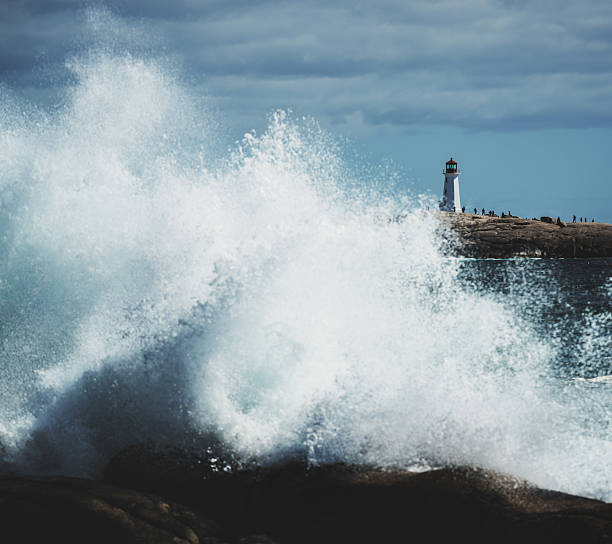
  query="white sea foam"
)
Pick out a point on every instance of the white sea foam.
point(151, 291)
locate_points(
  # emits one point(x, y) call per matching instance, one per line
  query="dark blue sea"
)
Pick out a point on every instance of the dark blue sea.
point(568, 300)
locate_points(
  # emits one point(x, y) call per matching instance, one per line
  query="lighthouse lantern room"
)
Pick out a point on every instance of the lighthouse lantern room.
point(451, 201)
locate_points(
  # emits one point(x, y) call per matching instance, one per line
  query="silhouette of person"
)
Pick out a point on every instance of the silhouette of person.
point(483, 211)
point(475, 211)
point(574, 219)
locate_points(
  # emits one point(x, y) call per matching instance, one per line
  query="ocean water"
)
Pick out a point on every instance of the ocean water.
point(152, 289)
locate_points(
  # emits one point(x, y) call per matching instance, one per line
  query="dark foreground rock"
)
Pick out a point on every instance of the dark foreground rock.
point(291, 504)
point(71, 510)
point(483, 236)
point(331, 504)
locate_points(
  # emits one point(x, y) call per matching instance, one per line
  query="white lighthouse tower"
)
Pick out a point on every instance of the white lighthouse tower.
point(451, 201)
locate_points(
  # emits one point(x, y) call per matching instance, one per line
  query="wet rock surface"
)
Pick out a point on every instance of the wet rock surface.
point(295, 503)
point(76, 510)
point(291, 503)
point(494, 237)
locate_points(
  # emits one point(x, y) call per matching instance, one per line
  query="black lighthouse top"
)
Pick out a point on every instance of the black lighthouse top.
point(451, 166)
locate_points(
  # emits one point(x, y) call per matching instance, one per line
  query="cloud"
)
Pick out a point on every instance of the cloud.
point(497, 64)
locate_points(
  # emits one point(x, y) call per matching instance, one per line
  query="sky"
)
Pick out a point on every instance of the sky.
point(518, 92)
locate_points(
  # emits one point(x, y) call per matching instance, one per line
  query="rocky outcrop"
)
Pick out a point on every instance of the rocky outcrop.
point(483, 236)
point(291, 503)
point(71, 510)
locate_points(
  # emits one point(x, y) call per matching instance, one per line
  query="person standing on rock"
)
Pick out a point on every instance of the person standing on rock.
point(483, 211)
point(574, 219)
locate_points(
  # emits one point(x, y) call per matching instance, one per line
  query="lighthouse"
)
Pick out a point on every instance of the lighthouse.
point(451, 202)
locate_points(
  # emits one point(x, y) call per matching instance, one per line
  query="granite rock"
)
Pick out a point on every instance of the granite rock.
point(490, 237)
point(295, 503)
point(71, 510)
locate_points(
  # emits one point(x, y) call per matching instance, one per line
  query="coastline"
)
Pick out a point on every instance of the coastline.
point(482, 236)
point(149, 495)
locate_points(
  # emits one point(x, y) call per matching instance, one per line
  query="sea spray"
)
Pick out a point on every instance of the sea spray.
point(151, 291)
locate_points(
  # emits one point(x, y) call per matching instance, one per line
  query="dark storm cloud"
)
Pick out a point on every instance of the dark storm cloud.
point(480, 63)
